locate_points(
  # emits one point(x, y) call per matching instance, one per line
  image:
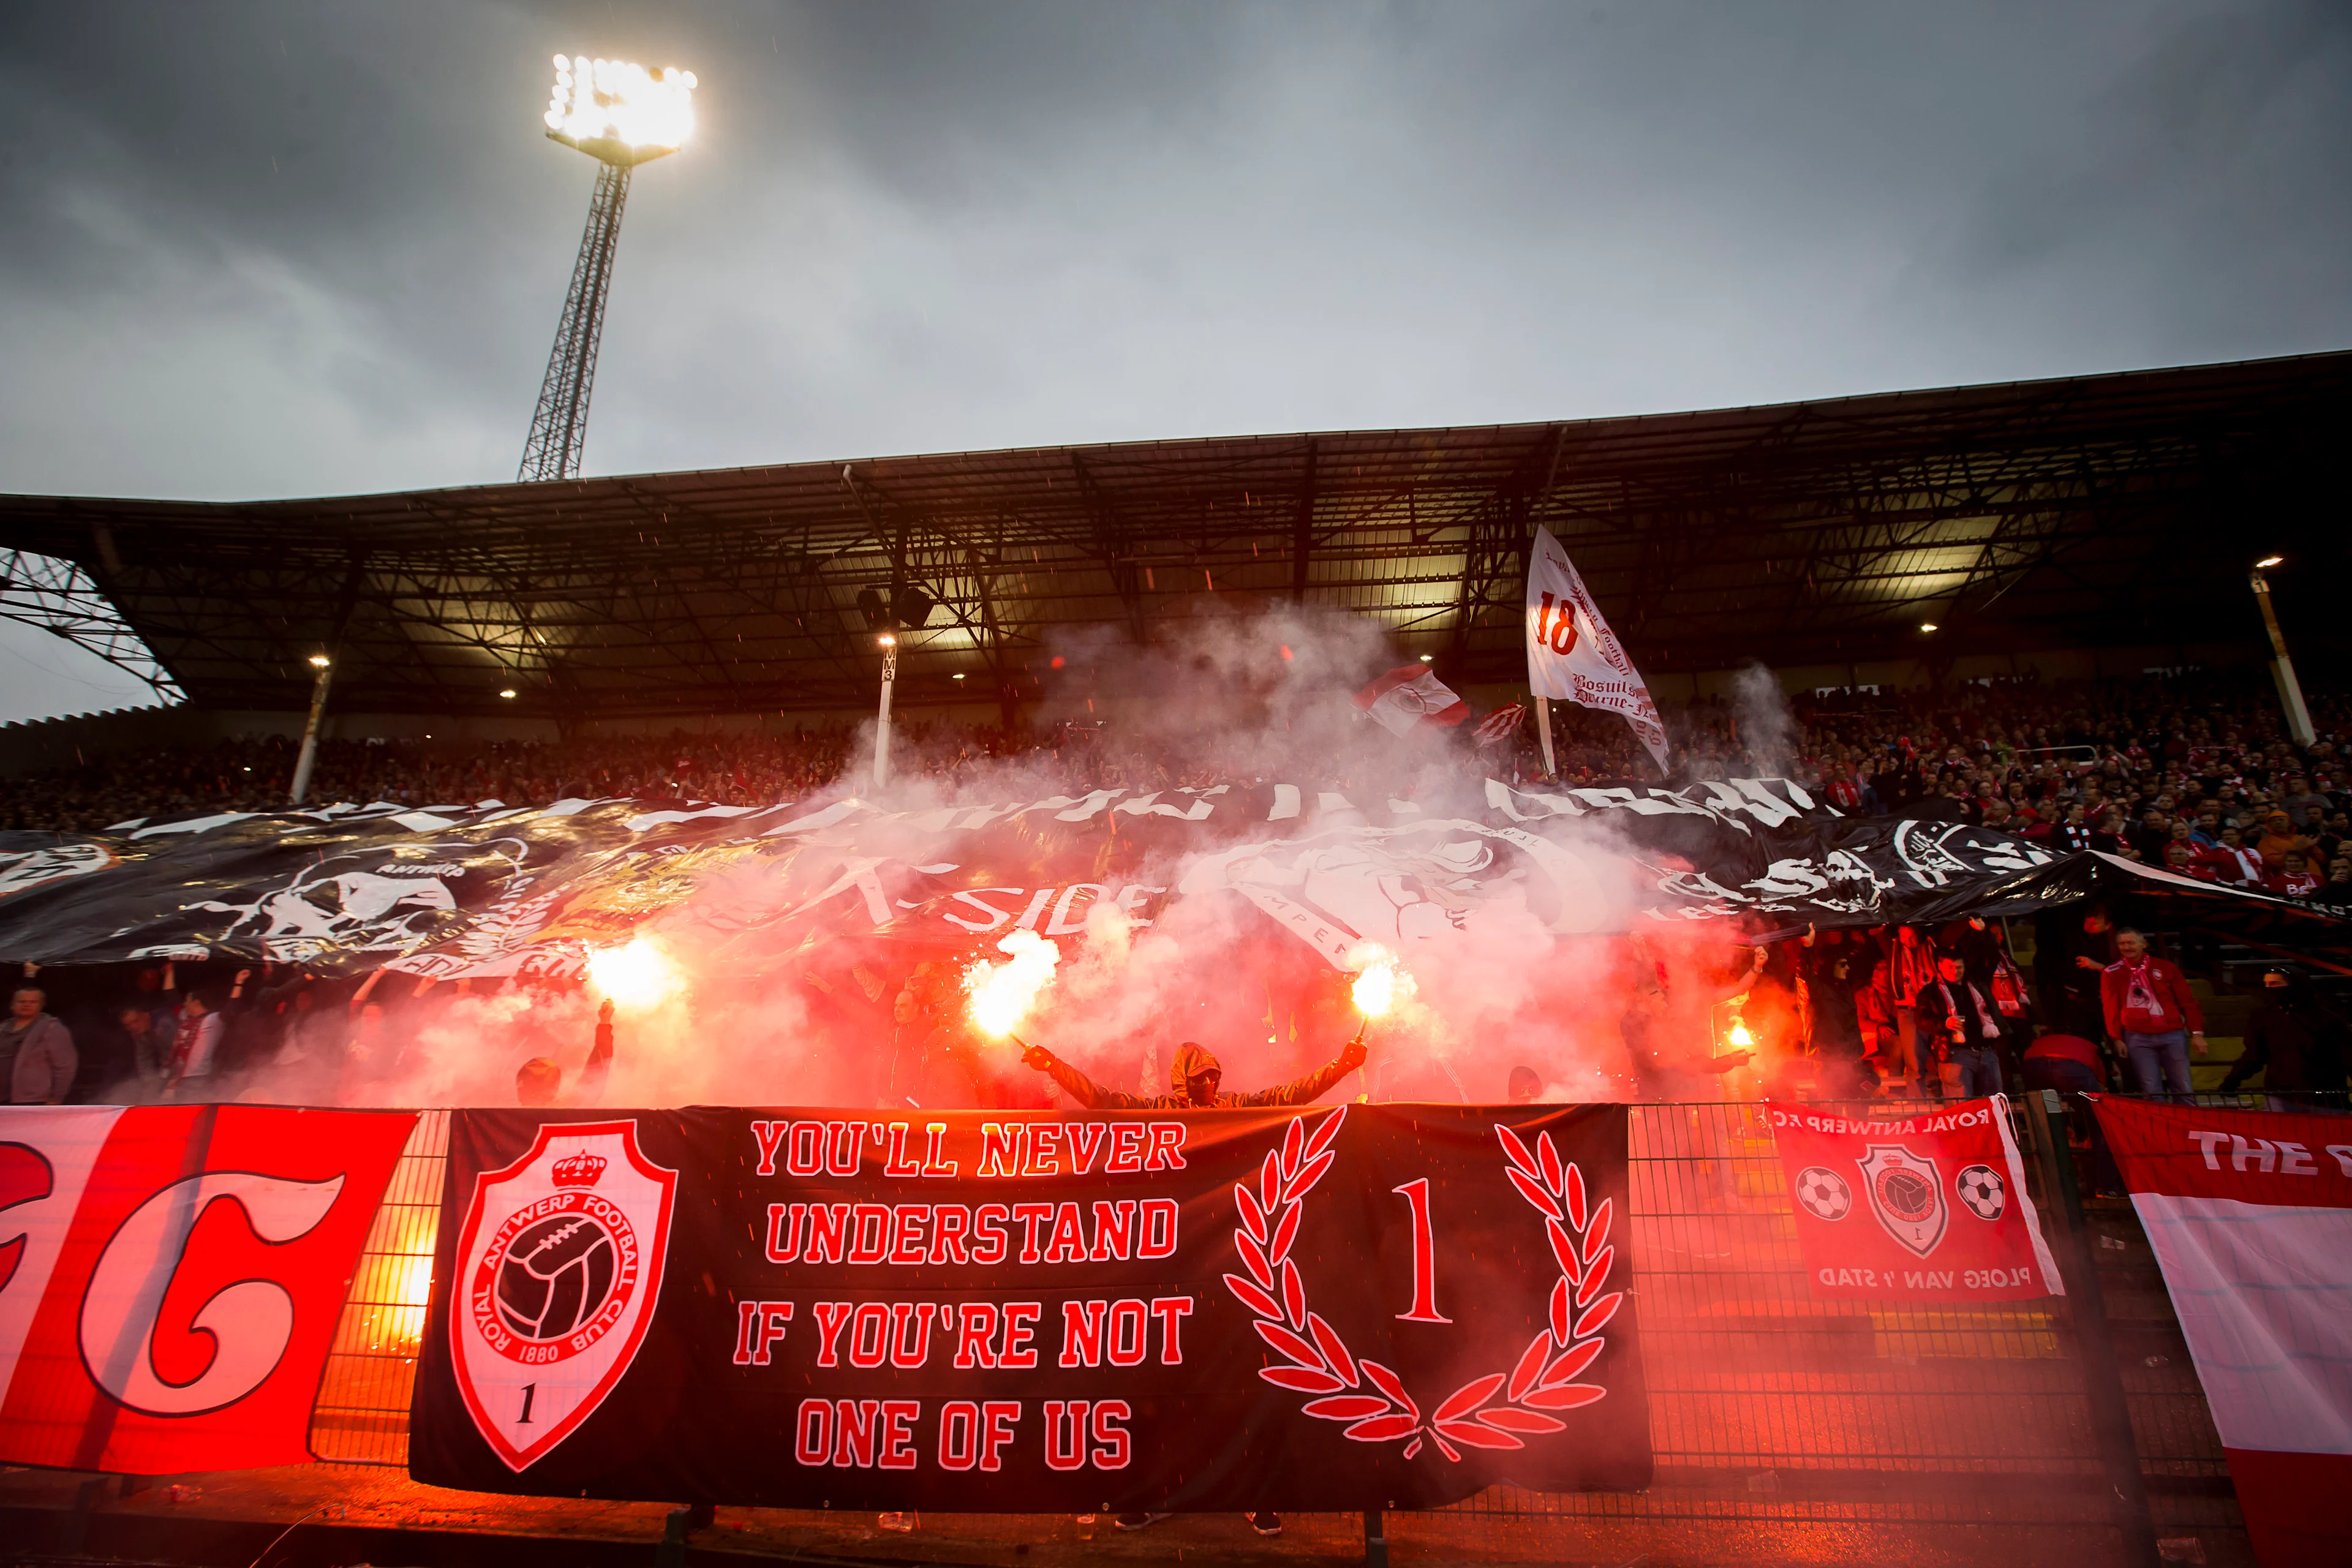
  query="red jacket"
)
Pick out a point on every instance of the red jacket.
point(2161, 980)
point(2238, 867)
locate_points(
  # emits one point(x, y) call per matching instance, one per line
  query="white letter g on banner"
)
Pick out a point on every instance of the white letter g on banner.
point(250, 1321)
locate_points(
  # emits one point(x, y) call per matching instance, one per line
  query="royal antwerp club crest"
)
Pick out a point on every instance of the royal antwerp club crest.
point(1907, 1195)
point(557, 1271)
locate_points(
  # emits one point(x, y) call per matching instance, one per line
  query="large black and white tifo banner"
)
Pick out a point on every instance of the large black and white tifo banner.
point(487, 890)
point(1339, 1307)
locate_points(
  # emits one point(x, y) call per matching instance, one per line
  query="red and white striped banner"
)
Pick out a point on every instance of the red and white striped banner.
point(170, 1277)
point(2250, 1214)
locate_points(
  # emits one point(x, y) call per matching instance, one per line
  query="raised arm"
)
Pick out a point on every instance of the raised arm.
point(1743, 981)
point(1082, 1088)
point(1305, 1090)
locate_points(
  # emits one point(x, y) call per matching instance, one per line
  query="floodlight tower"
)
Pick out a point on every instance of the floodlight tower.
point(622, 115)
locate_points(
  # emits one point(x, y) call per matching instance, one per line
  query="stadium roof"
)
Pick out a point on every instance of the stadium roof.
point(2111, 510)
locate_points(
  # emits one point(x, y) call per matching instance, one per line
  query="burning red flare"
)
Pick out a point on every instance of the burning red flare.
point(1381, 983)
point(1002, 993)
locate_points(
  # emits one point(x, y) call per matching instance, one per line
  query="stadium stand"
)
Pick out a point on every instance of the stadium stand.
point(2154, 762)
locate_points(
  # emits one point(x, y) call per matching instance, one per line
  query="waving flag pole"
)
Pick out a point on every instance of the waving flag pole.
point(1409, 698)
point(1572, 653)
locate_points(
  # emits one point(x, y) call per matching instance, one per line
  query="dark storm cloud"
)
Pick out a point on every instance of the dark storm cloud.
point(260, 248)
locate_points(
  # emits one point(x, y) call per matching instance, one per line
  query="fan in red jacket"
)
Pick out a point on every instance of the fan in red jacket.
point(2231, 861)
point(2152, 1013)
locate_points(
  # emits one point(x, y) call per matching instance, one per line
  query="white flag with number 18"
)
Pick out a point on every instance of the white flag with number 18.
point(1572, 653)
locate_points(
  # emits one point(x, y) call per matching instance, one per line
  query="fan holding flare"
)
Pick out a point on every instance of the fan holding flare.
point(1194, 1077)
point(1002, 994)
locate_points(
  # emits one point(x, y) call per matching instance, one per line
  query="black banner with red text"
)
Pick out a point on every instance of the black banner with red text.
point(1340, 1306)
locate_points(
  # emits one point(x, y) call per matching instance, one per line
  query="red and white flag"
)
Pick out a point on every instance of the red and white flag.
point(1572, 653)
point(2250, 1214)
point(1500, 725)
point(170, 1277)
point(1919, 1208)
point(1405, 699)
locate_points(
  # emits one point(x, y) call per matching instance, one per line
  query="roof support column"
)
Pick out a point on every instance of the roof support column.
point(1302, 532)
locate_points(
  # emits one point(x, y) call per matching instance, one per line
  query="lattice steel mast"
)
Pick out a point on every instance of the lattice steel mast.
point(621, 115)
point(559, 426)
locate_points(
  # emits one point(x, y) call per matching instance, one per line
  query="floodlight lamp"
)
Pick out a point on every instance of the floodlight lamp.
point(1428, 657)
point(957, 676)
point(2268, 561)
point(620, 111)
point(509, 693)
point(886, 640)
point(319, 661)
point(1927, 625)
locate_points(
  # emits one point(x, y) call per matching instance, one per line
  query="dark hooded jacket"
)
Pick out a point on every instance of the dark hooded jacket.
point(1191, 1062)
point(2295, 1041)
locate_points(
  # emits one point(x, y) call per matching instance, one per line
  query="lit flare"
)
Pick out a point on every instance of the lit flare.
point(1002, 993)
point(639, 975)
point(1382, 985)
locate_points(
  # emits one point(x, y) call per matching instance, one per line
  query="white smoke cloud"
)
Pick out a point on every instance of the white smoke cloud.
point(1768, 729)
point(1503, 979)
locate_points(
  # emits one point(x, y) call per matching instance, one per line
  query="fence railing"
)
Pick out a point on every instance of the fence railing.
point(361, 1416)
point(1766, 1402)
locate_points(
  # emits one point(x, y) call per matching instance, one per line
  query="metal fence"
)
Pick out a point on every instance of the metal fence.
point(1768, 1405)
point(361, 1416)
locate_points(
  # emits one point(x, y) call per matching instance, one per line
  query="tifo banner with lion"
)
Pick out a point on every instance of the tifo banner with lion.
point(1345, 1307)
point(1931, 1207)
point(489, 890)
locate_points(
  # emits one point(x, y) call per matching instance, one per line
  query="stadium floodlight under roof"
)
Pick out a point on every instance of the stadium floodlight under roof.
point(621, 114)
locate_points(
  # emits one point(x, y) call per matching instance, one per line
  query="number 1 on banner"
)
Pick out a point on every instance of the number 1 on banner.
point(1424, 1257)
point(529, 1390)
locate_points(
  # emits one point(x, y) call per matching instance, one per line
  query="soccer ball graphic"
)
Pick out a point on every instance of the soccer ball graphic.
point(555, 1276)
point(1981, 1188)
point(1823, 1193)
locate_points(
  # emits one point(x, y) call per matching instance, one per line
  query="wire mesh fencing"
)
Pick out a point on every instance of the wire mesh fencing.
point(362, 1413)
point(1768, 1403)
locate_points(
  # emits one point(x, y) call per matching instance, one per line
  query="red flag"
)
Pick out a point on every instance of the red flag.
point(1921, 1208)
point(1499, 726)
point(1410, 697)
point(2250, 1216)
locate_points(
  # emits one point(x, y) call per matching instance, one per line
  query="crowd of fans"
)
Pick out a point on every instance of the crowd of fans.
point(1899, 1012)
point(2192, 773)
point(2194, 776)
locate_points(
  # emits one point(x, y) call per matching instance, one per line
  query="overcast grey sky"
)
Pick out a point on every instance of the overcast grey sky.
point(261, 250)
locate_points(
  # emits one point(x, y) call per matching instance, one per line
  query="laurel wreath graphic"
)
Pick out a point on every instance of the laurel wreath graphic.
point(1490, 1412)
